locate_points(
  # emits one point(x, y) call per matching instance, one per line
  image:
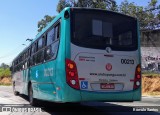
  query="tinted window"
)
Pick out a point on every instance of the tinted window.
point(104, 29)
point(29, 52)
point(40, 56)
point(31, 61)
point(39, 43)
point(50, 36)
point(51, 51)
point(57, 31)
point(32, 51)
point(34, 48)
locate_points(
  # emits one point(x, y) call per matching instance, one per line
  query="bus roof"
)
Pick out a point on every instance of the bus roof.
point(102, 10)
point(59, 15)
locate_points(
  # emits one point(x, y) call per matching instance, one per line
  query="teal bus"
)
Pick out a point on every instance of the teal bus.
point(82, 55)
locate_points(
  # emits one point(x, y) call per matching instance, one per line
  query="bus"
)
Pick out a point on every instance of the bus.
point(82, 55)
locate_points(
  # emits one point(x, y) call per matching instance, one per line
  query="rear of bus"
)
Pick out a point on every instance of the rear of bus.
point(103, 62)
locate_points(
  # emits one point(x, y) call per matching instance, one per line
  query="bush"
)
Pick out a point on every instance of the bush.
point(5, 72)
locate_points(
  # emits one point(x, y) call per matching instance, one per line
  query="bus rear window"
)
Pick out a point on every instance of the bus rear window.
point(99, 30)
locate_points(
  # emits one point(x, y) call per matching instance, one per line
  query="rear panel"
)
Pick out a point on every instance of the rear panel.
point(102, 72)
point(105, 50)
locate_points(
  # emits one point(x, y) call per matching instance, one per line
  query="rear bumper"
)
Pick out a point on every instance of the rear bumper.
point(112, 97)
point(77, 96)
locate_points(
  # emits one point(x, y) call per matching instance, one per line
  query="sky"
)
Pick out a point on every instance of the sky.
point(18, 21)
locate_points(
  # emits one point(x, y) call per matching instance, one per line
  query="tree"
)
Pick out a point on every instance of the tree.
point(4, 70)
point(146, 16)
point(44, 22)
point(62, 4)
point(102, 4)
point(153, 10)
point(4, 66)
point(149, 16)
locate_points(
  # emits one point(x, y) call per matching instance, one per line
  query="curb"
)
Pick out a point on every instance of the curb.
point(151, 96)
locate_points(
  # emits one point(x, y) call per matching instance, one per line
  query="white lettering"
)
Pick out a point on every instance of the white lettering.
point(48, 72)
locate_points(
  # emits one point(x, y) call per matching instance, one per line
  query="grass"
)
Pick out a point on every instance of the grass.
point(152, 94)
point(5, 84)
point(151, 74)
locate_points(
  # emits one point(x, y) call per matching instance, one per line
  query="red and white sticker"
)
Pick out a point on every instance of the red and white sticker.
point(109, 67)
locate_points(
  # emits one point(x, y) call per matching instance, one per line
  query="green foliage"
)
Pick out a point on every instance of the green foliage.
point(150, 74)
point(44, 22)
point(5, 84)
point(147, 16)
point(3, 65)
point(102, 4)
point(62, 4)
point(4, 70)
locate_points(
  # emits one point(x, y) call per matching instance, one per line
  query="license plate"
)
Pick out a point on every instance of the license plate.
point(107, 86)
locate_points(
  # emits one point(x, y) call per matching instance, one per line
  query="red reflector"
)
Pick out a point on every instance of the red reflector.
point(81, 59)
point(132, 80)
point(71, 74)
point(138, 76)
point(81, 78)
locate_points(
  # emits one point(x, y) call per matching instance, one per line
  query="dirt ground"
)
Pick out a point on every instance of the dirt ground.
point(151, 85)
point(5, 81)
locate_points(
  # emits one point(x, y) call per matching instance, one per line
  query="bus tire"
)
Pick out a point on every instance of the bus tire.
point(32, 100)
point(14, 90)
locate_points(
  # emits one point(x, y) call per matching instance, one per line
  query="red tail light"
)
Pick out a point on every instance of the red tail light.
point(137, 78)
point(72, 74)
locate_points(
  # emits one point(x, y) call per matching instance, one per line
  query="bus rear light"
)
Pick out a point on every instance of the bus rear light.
point(137, 83)
point(138, 70)
point(70, 66)
point(72, 74)
point(137, 78)
point(73, 82)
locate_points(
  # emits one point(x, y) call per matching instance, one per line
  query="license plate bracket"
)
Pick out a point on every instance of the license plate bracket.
point(107, 86)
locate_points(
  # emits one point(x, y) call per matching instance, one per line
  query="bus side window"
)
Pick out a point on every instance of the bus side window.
point(35, 55)
point(49, 40)
point(40, 53)
point(31, 57)
point(36, 47)
point(31, 61)
point(44, 40)
point(32, 50)
point(57, 31)
point(52, 42)
point(50, 36)
point(40, 45)
point(28, 57)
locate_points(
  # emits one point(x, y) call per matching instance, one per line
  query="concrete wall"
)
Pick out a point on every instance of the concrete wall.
point(150, 50)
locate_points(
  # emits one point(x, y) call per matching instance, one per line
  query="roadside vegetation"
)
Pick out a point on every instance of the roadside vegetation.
point(5, 75)
point(150, 74)
point(148, 16)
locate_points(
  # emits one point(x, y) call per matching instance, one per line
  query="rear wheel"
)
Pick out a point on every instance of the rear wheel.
point(14, 89)
point(32, 101)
